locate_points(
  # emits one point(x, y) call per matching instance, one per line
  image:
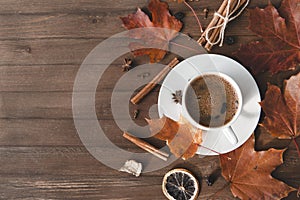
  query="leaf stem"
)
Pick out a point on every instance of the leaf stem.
point(194, 13)
point(297, 146)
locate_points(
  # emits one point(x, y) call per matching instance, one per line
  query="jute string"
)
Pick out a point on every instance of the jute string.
point(227, 18)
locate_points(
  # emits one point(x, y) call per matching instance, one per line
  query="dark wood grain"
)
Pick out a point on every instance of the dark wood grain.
point(61, 78)
point(86, 26)
point(90, 6)
point(58, 105)
point(42, 45)
point(67, 51)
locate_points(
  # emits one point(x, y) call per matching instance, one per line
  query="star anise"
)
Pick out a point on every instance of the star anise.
point(177, 96)
point(127, 64)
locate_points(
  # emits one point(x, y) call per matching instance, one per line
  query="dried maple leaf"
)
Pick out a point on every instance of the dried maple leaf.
point(248, 172)
point(181, 137)
point(282, 110)
point(279, 49)
point(165, 28)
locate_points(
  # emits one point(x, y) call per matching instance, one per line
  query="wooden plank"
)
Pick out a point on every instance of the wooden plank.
point(47, 78)
point(63, 51)
point(96, 187)
point(60, 137)
point(38, 132)
point(71, 51)
point(81, 187)
point(54, 169)
point(69, 6)
point(100, 26)
point(55, 132)
point(91, 6)
point(58, 105)
point(37, 78)
point(58, 51)
point(60, 25)
point(76, 160)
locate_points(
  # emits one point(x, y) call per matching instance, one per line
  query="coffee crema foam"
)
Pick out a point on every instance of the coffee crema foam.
point(211, 100)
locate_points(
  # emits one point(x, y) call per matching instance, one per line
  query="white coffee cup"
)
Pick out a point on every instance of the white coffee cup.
point(225, 128)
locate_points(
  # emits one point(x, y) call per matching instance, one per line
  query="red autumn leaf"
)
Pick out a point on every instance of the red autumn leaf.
point(279, 49)
point(181, 137)
point(164, 28)
point(248, 172)
point(282, 109)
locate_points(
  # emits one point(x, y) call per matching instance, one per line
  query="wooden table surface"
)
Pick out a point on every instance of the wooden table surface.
point(42, 45)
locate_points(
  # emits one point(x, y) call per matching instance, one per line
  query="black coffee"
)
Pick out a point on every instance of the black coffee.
point(211, 100)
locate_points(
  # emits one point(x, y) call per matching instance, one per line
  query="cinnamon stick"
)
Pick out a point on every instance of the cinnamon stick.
point(213, 22)
point(216, 21)
point(214, 34)
point(141, 94)
point(216, 31)
point(146, 146)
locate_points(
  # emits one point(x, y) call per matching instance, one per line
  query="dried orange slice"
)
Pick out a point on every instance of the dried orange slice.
point(180, 184)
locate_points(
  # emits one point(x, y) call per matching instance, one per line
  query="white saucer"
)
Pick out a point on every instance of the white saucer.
point(187, 69)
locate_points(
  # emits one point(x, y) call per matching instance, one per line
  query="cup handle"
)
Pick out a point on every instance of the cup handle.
point(230, 135)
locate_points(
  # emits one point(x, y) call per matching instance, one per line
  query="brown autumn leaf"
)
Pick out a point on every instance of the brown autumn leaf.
point(282, 109)
point(279, 49)
point(164, 27)
point(248, 172)
point(181, 137)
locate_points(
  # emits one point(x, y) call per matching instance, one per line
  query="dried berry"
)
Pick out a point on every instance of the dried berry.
point(205, 11)
point(136, 113)
point(230, 40)
point(211, 179)
point(179, 15)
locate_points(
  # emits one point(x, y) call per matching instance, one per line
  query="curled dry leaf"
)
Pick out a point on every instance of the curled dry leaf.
point(282, 110)
point(279, 49)
point(164, 28)
point(181, 137)
point(249, 172)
